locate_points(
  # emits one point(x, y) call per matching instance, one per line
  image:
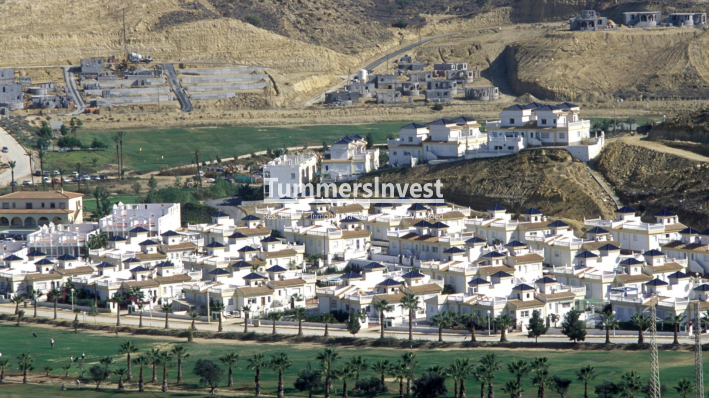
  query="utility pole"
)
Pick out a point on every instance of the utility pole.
point(698, 367)
point(125, 43)
point(655, 391)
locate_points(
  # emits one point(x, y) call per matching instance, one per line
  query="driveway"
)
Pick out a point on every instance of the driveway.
point(17, 153)
point(185, 104)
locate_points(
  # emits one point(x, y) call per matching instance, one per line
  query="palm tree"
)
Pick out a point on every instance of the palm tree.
point(478, 372)
point(153, 356)
point(106, 362)
point(299, 314)
point(47, 369)
point(20, 315)
point(118, 299)
point(117, 140)
point(164, 359)
point(409, 360)
point(400, 371)
point(141, 362)
point(684, 387)
point(512, 387)
point(382, 306)
point(25, 363)
point(359, 365)
point(381, 367)
point(675, 321)
point(247, 310)
point(231, 360)
point(411, 303)
point(121, 136)
point(218, 307)
point(327, 358)
point(631, 383)
point(586, 375)
point(472, 321)
point(519, 369)
point(18, 300)
point(194, 315)
point(280, 362)
point(489, 366)
point(4, 365)
point(61, 171)
point(76, 319)
point(141, 307)
point(540, 377)
point(274, 316)
point(327, 319)
point(180, 353)
point(12, 164)
point(40, 155)
point(121, 373)
point(56, 293)
point(504, 322)
point(256, 363)
point(458, 371)
point(168, 309)
point(126, 349)
point(34, 295)
point(642, 322)
point(344, 372)
point(609, 321)
point(444, 320)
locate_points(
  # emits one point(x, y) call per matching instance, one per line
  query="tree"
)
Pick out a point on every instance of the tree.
point(280, 362)
point(504, 322)
point(608, 322)
point(167, 308)
point(359, 365)
point(631, 383)
point(559, 385)
point(327, 358)
point(444, 320)
point(327, 318)
point(141, 362)
point(675, 321)
point(299, 314)
point(684, 387)
point(12, 164)
point(218, 307)
point(519, 368)
point(410, 303)
point(193, 315)
point(47, 369)
point(78, 167)
point(409, 360)
point(512, 387)
point(18, 300)
point(274, 316)
point(642, 322)
point(370, 140)
point(370, 387)
point(121, 137)
point(489, 366)
point(586, 375)
point(540, 375)
point(66, 369)
point(98, 374)
point(573, 327)
point(231, 360)
point(180, 353)
point(25, 363)
point(121, 373)
point(106, 362)
point(164, 359)
point(382, 367)
point(34, 295)
point(153, 356)
point(76, 319)
point(429, 385)
point(152, 182)
point(118, 299)
point(344, 372)
point(472, 321)
point(209, 373)
point(4, 365)
point(459, 371)
point(400, 371)
point(309, 380)
point(20, 315)
point(256, 363)
point(136, 187)
point(246, 310)
point(536, 326)
point(382, 306)
point(127, 349)
point(353, 325)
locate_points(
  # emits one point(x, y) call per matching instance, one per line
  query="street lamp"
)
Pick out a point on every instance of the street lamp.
point(72, 298)
point(613, 324)
point(488, 322)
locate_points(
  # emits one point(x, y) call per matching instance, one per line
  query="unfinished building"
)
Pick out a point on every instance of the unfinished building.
point(439, 70)
point(92, 66)
point(383, 82)
point(341, 98)
point(450, 85)
point(411, 66)
point(490, 93)
point(588, 21)
point(464, 76)
point(224, 82)
point(642, 19)
point(11, 96)
point(7, 75)
point(389, 97)
point(688, 19)
point(421, 77)
point(439, 95)
point(364, 90)
point(411, 89)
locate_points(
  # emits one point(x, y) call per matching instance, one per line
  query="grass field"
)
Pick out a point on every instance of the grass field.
point(90, 202)
point(146, 150)
point(609, 364)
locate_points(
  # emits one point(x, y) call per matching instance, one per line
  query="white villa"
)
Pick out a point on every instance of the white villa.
point(288, 172)
point(348, 158)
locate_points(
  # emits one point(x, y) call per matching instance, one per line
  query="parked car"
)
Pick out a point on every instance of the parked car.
point(46, 180)
point(38, 173)
point(57, 180)
point(74, 174)
point(5, 150)
point(46, 174)
point(66, 179)
point(85, 178)
point(95, 177)
point(14, 183)
point(103, 177)
point(56, 172)
point(26, 182)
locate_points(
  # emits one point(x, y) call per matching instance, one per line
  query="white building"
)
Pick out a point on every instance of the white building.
point(156, 218)
point(349, 157)
point(287, 173)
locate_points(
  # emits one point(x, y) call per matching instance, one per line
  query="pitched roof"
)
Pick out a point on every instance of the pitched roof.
point(351, 275)
point(625, 210)
point(270, 239)
point(66, 257)
point(140, 284)
point(678, 275)
point(76, 271)
point(138, 229)
point(237, 235)
point(350, 219)
point(35, 253)
point(241, 264)
point(42, 195)
point(116, 238)
point(702, 288)
point(373, 265)
point(247, 249)
point(253, 276)
point(657, 282)
point(250, 217)
point(689, 231)
point(609, 247)
point(389, 282)
point(532, 211)
point(218, 214)
point(523, 287)
point(478, 281)
point(475, 239)
point(545, 280)
point(104, 264)
point(177, 278)
point(148, 242)
point(496, 207)
point(453, 250)
point(653, 253)
point(13, 258)
point(597, 230)
point(276, 268)
point(140, 268)
point(493, 254)
point(427, 288)
point(250, 291)
point(289, 282)
point(131, 260)
point(665, 213)
point(413, 274)
point(219, 271)
point(170, 233)
point(44, 261)
point(586, 254)
point(516, 243)
point(215, 245)
point(501, 274)
point(557, 224)
point(423, 224)
point(417, 207)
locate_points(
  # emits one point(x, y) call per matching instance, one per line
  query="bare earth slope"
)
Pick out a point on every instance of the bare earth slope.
point(545, 179)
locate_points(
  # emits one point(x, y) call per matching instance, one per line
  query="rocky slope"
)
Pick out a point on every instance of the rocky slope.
point(651, 181)
point(689, 126)
point(545, 179)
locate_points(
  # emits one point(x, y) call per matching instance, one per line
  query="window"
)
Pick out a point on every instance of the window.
point(562, 136)
point(6, 205)
point(524, 314)
point(63, 205)
point(565, 305)
point(52, 205)
point(512, 121)
point(292, 176)
point(544, 121)
point(394, 153)
point(411, 139)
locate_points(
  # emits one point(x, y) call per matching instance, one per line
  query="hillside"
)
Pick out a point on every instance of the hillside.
point(650, 181)
point(545, 179)
point(688, 126)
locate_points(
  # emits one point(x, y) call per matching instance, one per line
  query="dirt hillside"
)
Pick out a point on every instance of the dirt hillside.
point(688, 126)
point(650, 181)
point(546, 179)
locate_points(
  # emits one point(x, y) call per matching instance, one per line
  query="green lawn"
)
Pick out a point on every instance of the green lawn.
point(148, 149)
point(90, 201)
point(609, 364)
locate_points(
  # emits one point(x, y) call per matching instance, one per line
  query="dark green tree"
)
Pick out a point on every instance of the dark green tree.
point(536, 326)
point(572, 327)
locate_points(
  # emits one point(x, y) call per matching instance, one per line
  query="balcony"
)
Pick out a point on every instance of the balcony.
point(626, 299)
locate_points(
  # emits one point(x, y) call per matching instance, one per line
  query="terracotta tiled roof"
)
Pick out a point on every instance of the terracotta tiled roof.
point(525, 304)
point(76, 271)
point(557, 296)
point(255, 291)
point(354, 207)
point(178, 278)
point(391, 298)
point(679, 245)
point(180, 246)
point(666, 267)
point(36, 211)
point(43, 277)
point(42, 195)
point(420, 238)
point(150, 256)
point(634, 278)
point(289, 282)
point(597, 245)
point(424, 289)
point(141, 284)
point(258, 231)
point(528, 258)
point(281, 253)
point(359, 233)
point(674, 227)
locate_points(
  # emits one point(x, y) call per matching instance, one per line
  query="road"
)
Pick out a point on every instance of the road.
point(17, 153)
point(639, 140)
point(71, 86)
point(371, 66)
point(157, 320)
point(185, 104)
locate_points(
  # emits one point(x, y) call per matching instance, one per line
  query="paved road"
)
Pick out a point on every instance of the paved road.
point(372, 65)
point(236, 325)
point(71, 86)
point(17, 153)
point(185, 104)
